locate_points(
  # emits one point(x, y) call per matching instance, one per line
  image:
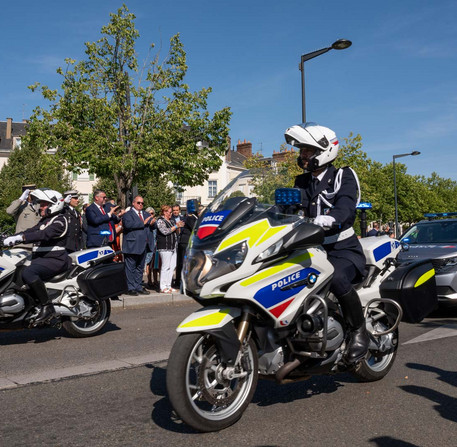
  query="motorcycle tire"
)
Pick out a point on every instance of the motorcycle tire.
point(199, 394)
point(87, 328)
point(376, 364)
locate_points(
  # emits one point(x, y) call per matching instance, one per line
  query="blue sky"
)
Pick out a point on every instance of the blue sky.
point(396, 85)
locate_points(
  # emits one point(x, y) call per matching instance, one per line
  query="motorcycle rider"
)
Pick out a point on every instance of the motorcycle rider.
point(331, 197)
point(49, 256)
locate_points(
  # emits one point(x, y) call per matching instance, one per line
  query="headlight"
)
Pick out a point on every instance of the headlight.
point(450, 261)
point(227, 261)
point(271, 251)
point(202, 266)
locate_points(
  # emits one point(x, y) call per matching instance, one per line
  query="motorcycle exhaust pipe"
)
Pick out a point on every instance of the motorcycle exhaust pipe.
point(64, 311)
point(285, 370)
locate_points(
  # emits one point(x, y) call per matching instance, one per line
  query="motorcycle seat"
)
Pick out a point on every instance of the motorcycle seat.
point(59, 277)
point(369, 276)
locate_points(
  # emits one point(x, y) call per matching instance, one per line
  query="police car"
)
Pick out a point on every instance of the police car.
point(435, 239)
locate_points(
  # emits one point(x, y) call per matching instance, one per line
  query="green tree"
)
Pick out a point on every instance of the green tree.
point(116, 127)
point(29, 164)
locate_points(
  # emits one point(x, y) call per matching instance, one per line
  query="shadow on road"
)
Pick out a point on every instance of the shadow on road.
point(387, 441)
point(163, 414)
point(270, 393)
point(446, 405)
point(43, 335)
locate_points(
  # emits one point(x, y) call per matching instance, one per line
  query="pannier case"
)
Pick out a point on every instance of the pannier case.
point(412, 285)
point(104, 281)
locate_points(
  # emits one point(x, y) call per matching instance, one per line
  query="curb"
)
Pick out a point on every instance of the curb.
point(127, 301)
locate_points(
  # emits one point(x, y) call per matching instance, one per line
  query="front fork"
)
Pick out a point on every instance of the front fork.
point(242, 332)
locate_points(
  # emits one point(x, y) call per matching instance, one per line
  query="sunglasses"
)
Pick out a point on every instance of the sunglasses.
point(140, 203)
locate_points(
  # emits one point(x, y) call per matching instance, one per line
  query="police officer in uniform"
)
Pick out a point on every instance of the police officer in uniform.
point(75, 231)
point(49, 257)
point(331, 197)
point(25, 212)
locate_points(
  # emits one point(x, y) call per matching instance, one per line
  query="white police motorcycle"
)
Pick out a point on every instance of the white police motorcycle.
point(263, 279)
point(81, 295)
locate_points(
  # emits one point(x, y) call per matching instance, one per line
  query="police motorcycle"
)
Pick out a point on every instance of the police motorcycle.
point(262, 278)
point(81, 295)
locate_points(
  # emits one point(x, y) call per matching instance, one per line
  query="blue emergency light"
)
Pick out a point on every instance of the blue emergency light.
point(364, 206)
point(288, 196)
point(432, 215)
point(192, 206)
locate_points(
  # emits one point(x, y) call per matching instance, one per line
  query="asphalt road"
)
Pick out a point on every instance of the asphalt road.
point(415, 405)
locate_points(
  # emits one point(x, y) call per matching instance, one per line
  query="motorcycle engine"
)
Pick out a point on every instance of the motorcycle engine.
point(11, 304)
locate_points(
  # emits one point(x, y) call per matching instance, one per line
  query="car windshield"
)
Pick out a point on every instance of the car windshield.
point(435, 232)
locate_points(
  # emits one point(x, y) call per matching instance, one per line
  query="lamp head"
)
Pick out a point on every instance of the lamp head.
point(341, 44)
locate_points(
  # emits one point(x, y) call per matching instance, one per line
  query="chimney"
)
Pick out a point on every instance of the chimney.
point(281, 156)
point(9, 127)
point(244, 148)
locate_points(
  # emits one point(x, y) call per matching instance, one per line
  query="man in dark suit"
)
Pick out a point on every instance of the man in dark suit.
point(75, 232)
point(375, 230)
point(331, 197)
point(136, 241)
point(100, 219)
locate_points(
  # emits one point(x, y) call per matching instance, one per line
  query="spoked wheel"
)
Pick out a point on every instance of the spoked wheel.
point(205, 393)
point(377, 364)
point(86, 327)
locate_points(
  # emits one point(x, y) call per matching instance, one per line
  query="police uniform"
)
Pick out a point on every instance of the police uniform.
point(75, 232)
point(49, 256)
point(336, 195)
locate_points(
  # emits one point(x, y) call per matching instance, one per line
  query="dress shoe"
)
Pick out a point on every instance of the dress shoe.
point(132, 293)
point(144, 291)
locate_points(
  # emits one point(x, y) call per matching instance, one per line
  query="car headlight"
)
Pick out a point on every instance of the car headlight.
point(450, 261)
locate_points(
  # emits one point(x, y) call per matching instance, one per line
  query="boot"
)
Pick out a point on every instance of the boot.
point(359, 340)
point(41, 294)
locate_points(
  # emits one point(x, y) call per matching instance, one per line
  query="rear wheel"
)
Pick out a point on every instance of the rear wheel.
point(205, 393)
point(377, 364)
point(86, 327)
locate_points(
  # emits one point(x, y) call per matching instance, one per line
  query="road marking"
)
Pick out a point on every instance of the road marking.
point(447, 330)
point(14, 381)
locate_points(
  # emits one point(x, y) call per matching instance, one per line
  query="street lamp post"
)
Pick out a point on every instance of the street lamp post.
point(340, 44)
point(397, 235)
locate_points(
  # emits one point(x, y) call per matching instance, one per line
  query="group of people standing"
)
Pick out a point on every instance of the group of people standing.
point(157, 243)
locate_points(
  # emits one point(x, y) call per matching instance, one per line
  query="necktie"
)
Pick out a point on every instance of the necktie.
point(141, 215)
point(111, 236)
point(314, 183)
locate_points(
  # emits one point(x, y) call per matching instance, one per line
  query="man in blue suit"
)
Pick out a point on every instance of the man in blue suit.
point(136, 223)
point(100, 218)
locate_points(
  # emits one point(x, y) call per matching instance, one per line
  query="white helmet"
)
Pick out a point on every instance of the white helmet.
point(311, 135)
point(54, 198)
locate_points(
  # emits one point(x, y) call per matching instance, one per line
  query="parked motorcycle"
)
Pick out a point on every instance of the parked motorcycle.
point(263, 280)
point(81, 295)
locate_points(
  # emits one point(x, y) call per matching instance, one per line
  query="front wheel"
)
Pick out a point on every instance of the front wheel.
point(99, 312)
point(205, 393)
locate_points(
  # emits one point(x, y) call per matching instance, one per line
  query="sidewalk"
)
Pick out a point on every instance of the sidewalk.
point(127, 301)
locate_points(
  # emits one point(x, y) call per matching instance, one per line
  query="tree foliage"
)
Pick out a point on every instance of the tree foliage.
point(131, 123)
